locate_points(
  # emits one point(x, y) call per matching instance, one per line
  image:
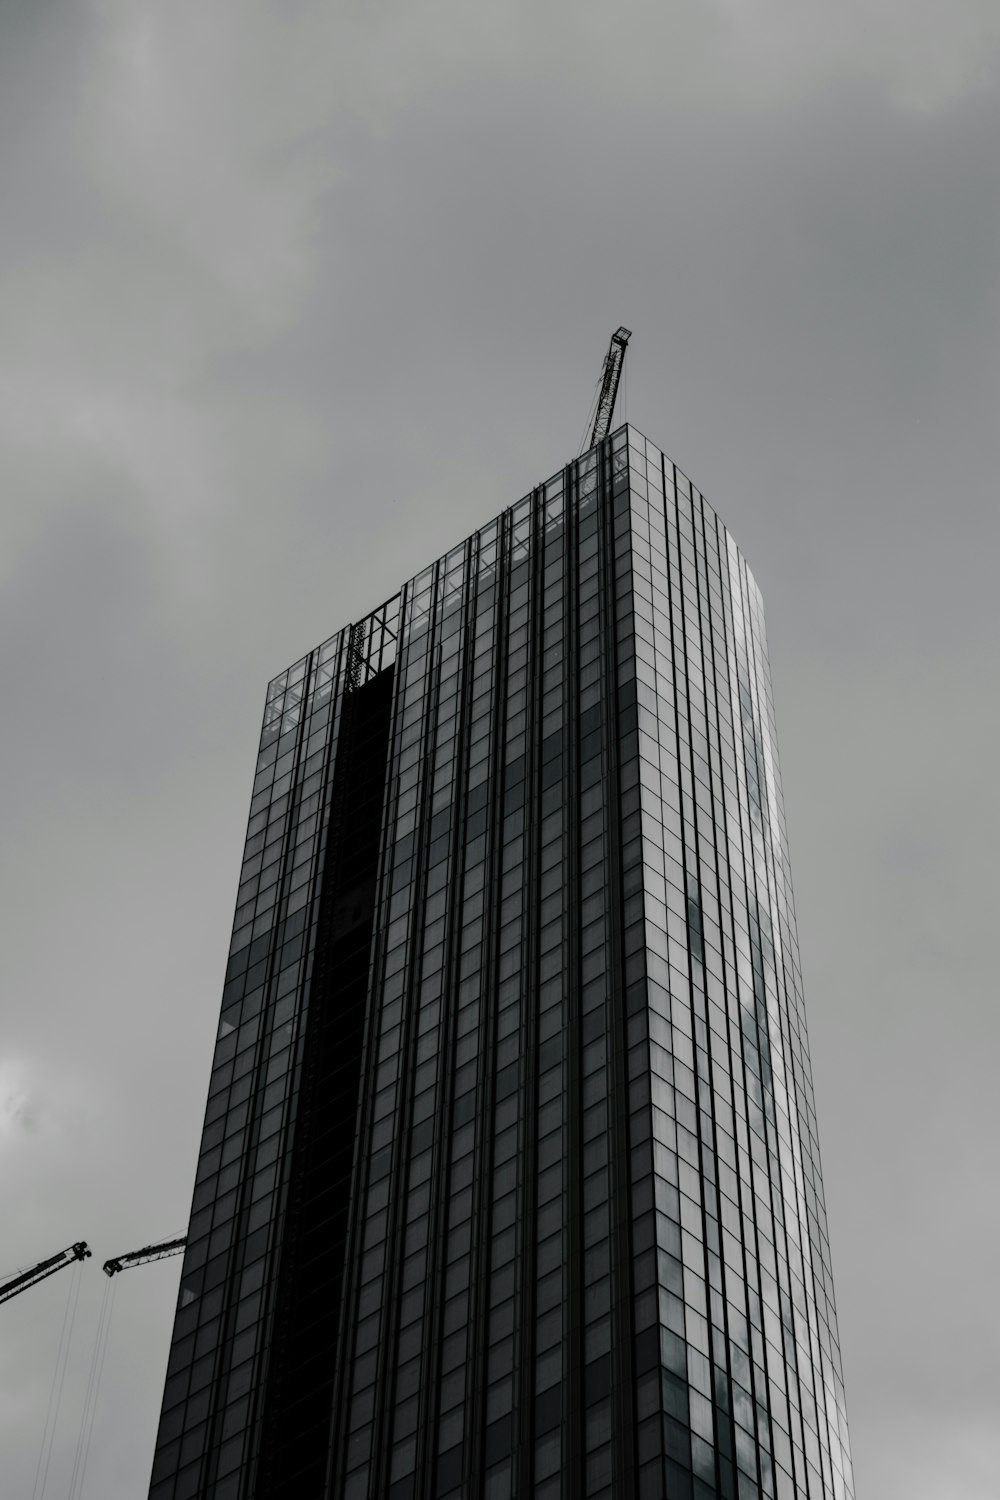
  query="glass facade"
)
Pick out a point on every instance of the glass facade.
point(509, 1182)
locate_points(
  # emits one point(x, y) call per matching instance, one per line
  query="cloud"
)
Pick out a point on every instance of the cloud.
point(40, 1105)
point(20, 1105)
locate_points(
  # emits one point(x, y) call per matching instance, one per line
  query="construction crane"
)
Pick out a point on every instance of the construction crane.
point(159, 1251)
point(21, 1282)
point(613, 362)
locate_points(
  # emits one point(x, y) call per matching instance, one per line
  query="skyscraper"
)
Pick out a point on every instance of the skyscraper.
point(509, 1182)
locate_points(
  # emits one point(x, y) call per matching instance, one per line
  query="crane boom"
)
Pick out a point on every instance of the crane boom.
point(48, 1267)
point(613, 362)
point(159, 1251)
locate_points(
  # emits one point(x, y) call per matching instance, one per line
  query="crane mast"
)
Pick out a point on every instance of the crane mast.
point(159, 1251)
point(21, 1283)
point(613, 361)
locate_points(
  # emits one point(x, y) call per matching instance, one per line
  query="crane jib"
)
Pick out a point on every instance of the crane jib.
point(613, 362)
point(79, 1251)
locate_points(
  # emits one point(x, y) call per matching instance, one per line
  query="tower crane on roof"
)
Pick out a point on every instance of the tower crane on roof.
point(24, 1279)
point(613, 362)
point(159, 1251)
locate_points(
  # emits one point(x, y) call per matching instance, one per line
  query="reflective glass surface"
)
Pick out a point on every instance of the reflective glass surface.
point(509, 1181)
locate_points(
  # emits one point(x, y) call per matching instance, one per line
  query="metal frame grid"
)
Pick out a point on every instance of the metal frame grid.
point(584, 1245)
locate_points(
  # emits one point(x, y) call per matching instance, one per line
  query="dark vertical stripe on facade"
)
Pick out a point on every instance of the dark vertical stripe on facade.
point(385, 1384)
point(357, 1186)
point(297, 1417)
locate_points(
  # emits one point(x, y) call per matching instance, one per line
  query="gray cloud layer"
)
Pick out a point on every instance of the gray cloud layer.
point(294, 296)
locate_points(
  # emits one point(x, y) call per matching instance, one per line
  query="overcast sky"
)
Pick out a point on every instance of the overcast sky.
point(295, 295)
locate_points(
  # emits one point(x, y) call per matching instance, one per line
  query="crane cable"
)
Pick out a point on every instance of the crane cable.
point(624, 389)
point(56, 1389)
point(78, 1477)
point(93, 1391)
point(588, 427)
